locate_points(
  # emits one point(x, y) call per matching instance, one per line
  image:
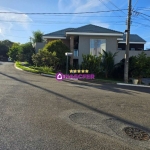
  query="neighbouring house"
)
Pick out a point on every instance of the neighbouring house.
point(38, 45)
point(92, 39)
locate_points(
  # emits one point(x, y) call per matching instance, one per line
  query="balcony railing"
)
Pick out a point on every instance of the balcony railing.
point(76, 53)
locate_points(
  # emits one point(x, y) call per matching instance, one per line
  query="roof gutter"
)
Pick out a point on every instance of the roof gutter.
point(86, 33)
point(133, 42)
point(53, 37)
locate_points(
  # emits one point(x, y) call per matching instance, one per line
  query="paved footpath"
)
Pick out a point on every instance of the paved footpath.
point(40, 113)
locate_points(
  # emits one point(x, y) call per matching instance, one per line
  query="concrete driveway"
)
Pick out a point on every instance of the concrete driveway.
point(40, 113)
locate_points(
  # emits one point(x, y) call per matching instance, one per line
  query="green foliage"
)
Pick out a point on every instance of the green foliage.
point(33, 69)
point(91, 63)
point(60, 48)
point(45, 58)
point(141, 66)
point(26, 52)
point(147, 67)
point(3, 50)
point(107, 62)
point(7, 43)
point(14, 51)
point(45, 69)
point(118, 71)
point(21, 52)
point(37, 36)
point(19, 65)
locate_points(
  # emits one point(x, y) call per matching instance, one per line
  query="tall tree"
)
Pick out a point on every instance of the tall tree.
point(26, 52)
point(7, 43)
point(3, 50)
point(14, 51)
point(37, 36)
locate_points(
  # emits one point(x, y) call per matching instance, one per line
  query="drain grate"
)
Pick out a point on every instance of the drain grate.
point(136, 134)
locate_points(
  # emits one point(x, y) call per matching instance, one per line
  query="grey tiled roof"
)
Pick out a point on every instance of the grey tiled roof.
point(133, 38)
point(60, 33)
point(94, 29)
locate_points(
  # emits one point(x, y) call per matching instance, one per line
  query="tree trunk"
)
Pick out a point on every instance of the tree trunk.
point(140, 80)
point(106, 75)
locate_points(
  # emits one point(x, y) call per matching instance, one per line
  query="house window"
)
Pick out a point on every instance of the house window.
point(132, 49)
point(97, 46)
point(119, 48)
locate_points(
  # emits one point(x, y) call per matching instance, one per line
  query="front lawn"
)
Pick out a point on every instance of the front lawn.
point(26, 67)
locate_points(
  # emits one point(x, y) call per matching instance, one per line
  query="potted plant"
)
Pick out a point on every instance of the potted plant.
point(135, 77)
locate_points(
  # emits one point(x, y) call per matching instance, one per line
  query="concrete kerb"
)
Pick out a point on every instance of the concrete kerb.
point(48, 75)
point(137, 85)
point(53, 76)
point(17, 67)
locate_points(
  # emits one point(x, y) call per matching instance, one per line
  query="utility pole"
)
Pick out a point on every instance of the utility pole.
point(126, 68)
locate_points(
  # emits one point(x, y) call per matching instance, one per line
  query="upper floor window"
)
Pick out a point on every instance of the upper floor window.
point(97, 46)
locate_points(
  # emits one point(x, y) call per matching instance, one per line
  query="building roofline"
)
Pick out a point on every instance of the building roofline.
point(132, 42)
point(89, 33)
point(53, 37)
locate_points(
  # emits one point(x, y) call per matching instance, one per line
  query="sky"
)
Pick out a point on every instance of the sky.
point(20, 27)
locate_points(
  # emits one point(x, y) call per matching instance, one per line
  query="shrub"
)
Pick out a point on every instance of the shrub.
point(60, 49)
point(107, 63)
point(91, 63)
point(45, 58)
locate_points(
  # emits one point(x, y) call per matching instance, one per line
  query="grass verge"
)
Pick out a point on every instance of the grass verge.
point(26, 67)
point(46, 70)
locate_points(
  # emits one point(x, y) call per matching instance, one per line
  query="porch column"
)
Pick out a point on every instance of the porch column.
point(71, 49)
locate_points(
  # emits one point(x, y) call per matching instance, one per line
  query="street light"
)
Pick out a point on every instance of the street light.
point(67, 54)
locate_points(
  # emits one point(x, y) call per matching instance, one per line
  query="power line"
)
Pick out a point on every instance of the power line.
point(82, 16)
point(49, 22)
point(144, 8)
point(105, 5)
point(117, 7)
point(135, 4)
point(145, 18)
point(77, 15)
point(142, 24)
point(58, 13)
point(137, 12)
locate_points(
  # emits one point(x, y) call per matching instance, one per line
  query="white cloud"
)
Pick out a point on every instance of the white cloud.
point(80, 5)
point(10, 20)
point(76, 6)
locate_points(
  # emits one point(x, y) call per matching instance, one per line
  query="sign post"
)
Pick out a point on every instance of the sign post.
point(67, 54)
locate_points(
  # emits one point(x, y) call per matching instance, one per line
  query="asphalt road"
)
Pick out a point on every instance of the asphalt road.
point(40, 113)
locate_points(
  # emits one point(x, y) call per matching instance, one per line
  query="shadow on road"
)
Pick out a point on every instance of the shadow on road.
point(112, 87)
point(81, 104)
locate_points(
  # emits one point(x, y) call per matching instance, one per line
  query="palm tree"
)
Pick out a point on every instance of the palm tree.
point(108, 62)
